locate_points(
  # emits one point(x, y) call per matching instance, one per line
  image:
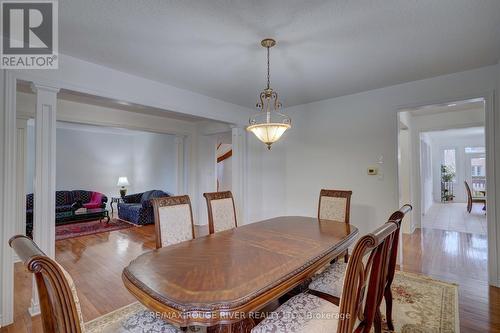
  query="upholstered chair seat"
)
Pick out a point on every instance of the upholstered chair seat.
point(221, 211)
point(362, 293)
point(331, 280)
point(303, 313)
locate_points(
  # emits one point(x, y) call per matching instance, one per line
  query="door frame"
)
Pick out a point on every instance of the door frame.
point(489, 127)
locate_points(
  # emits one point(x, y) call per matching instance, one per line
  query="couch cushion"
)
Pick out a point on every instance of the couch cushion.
point(147, 195)
point(82, 195)
point(92, 205)
point(64, 198)
point(29, 201)
point(63, 208)
point(129, 212)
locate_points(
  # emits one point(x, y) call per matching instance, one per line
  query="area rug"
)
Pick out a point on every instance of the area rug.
point(420, 305)
point(423, 305)
point(72, 230)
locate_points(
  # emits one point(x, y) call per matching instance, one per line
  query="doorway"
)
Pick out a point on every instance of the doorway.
point(443, 149)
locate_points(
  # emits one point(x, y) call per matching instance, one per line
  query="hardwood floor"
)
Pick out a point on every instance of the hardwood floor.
point(96, 261)
point(459, 258)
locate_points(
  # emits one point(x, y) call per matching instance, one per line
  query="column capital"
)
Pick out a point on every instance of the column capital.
point(179, 138)
point(38, 86)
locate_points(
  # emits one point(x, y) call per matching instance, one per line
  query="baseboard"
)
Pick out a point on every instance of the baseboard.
point(34, 309)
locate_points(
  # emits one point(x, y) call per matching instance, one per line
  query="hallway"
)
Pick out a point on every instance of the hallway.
point(454, 217)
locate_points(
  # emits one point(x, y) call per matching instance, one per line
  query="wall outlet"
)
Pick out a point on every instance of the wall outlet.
point(372, 171)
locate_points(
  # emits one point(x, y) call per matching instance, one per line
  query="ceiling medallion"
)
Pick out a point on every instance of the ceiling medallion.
point(269, 124)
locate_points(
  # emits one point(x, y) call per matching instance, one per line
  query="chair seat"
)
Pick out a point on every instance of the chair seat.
point(303, 313)
point(331, 280)
point(134, 318)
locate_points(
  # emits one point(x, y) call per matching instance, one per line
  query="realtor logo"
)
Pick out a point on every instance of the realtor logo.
point(29, 34)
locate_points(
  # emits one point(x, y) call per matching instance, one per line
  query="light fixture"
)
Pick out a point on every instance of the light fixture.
point(122, 182)
point(269, 124)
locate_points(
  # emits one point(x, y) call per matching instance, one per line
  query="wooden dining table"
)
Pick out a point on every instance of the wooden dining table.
point(221, 279)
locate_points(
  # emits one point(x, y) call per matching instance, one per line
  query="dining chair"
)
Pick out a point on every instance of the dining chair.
point(173, 220)
point(471, 200)
point(361, 295)
point(335, 205)
point(59, 303)
point(221, 211)
point(330, 283)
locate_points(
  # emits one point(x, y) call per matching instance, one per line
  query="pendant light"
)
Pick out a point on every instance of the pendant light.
point(269, 124)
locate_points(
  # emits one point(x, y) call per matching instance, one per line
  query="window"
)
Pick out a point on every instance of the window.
point(474, 150)
point(477, 171)
point(449, 166)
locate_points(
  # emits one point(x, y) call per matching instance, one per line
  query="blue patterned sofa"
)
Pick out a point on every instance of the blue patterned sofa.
point(137, 208)
point(64, 200)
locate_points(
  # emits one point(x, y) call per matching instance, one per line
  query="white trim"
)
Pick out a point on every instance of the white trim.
point(34, 309)
point(491, 178)
point(44, 205)
point(8, 201)
point(238, 184)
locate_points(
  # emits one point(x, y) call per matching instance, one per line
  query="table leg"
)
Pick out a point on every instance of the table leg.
point(244, 326)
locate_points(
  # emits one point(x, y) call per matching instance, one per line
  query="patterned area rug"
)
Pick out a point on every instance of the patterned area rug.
point(89, 228)
point(421, 305)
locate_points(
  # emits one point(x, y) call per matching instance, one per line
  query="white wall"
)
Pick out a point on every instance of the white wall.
point(404, 176)
point(332, 143)
point(154, 163)
point(92, 158)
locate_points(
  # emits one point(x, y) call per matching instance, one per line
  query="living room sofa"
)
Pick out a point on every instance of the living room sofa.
point(137, 208)
point(64, 200)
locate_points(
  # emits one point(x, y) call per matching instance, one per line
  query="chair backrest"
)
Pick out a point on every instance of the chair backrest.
point(221, 211)
point(59, 304)
point(173, 220)
point(469, 193)
point(397, 218)
point(334, 205)
point(364, 282)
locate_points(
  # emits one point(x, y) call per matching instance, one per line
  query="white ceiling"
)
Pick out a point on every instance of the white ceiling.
point(457, 133)
point(471, 104)
point(326, 48)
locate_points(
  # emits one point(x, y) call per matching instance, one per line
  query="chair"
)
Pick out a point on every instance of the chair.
point(59, 304)
point(335, 205)
point(471, 199)
point(329, 283)
point(221, 211)
point(361, 295)
point(173, 219)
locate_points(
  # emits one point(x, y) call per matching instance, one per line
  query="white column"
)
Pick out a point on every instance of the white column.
point(45, 175)
point(8, 197)
point(180, 168)
point(22, 144)
point(239, 172)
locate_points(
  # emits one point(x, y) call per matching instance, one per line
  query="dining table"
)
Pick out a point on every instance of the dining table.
point(223, 279)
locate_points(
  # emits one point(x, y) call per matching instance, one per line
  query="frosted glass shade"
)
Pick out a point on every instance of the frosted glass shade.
point(268, 127)
point(123, 181)
point(268, 133)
